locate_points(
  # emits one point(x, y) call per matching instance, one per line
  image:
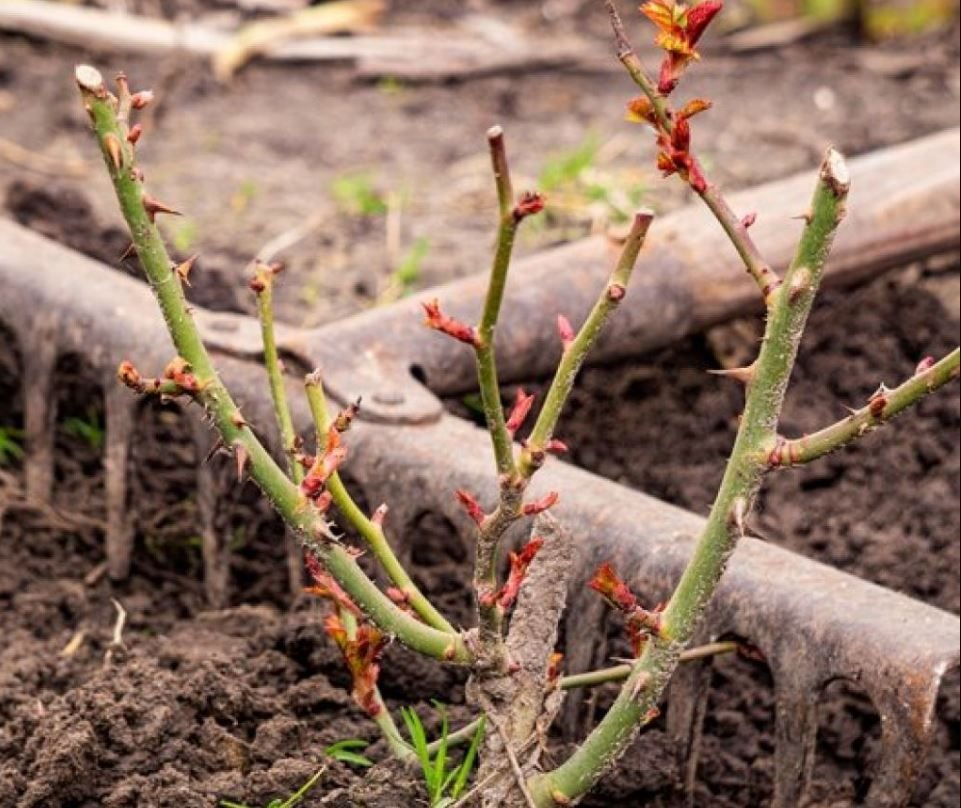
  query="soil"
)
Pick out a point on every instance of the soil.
point(193, 706)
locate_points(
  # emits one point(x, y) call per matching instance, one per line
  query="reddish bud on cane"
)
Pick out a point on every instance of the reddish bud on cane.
point(540, 505)
point(134, 134)
point(666, 79)
point(520, 410)
point(529, 204)
point(925, 364)
point(141, 99)
point(346, 416)
point(519, 564)
point(607, 582)
point(130, 376)
point(878, 401)
point(565, 330)
point(471, 505)
point(325, 586)
point(379, 515)
point(554, 666)
point(436, 319)
point(323, 502)
point(695, 177)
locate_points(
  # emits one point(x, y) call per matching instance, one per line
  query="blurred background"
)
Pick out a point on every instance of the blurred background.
point(347, 137)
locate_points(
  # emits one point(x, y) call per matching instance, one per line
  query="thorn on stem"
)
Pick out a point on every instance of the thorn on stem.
point(155, 206)
point(924, 365)
point(241, 458)
point(183, 269)
point(565, 330)
point(134, 134)
point(379, 515)
point(748, 219)
point(744, 375)
point(111, 144)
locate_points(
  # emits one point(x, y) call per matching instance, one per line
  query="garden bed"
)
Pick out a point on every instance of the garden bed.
point(194, 705)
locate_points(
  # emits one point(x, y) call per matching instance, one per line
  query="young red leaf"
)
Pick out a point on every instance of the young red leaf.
point(540, 505)
point(436, 319)
point(520, 410)
point(519, 564)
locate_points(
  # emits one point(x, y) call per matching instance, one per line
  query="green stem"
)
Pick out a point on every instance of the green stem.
point(636, 704)
point(884, 406)
point(277, 487)
point(272, 362)
point(372, 533)
point(484, 347)
point(618, 673)
point(577, 351)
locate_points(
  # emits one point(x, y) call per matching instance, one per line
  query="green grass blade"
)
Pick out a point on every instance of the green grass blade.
point(467, 765)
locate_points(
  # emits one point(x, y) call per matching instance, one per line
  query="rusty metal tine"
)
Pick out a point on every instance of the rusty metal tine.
point(798, 688)
point(907, 728)
point(119, 417)
point(39, 407)
point(586, 619)
point(689, 277)
point(215, 547)
point(687, 700)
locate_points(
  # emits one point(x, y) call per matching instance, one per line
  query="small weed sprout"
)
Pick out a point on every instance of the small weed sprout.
point(11, 445)
point(283, 802)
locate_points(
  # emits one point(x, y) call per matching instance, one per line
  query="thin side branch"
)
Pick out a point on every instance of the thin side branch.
point(484, 344)
point(262, 285)
point(882, 407)
point(578, 349)
point(371, 532)
point(663, 121)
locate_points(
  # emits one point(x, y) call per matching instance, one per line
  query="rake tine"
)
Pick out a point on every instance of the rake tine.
point(120, 408)
point(215, 547)
point(795, 730)
point(686, 707)
point(40, 410)
point(907, 729)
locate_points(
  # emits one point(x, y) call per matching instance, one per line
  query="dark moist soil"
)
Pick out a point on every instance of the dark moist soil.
point(194, 705)
point(241, 703)
point(271, 151)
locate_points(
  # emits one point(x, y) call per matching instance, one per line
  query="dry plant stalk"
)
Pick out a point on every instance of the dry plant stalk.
point(515, 676)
